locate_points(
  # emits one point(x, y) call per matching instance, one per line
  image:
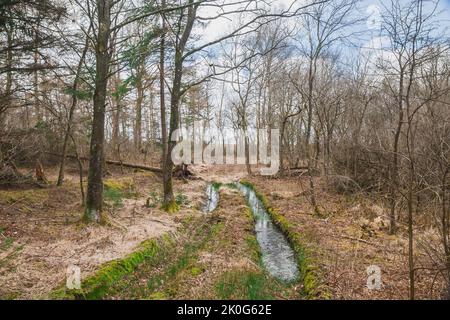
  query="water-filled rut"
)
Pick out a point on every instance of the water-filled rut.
point(277, 255)
point(212, 201)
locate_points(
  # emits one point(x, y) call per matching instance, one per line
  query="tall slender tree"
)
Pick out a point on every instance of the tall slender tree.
point(94, 199)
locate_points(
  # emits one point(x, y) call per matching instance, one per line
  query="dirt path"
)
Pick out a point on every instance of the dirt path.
point(216, 257)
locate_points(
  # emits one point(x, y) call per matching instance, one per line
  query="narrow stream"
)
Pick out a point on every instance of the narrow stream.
point(212, 194)
point(277, 255)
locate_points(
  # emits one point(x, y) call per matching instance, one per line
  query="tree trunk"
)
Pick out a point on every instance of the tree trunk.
point(411, 237)
point(308, 136)
point(394, 178)
point(40, 174)
point(94, 199)
point(138, 120)
point(36, 82)
point(169, 203)
point(445, 231)
point(116, 115)
point(281, 148)
point(169, 199)
point(247, 153)
point(6, 101)
point(70, 118)
point(162, 91)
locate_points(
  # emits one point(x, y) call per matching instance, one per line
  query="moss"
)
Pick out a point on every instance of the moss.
point(163, 264)
point(254, 249)
point(27, 196)
point(216, 185)
point(157, 296)
point(309, 271)
point(91, 216)
point(11, 296)
point(243, 284)
point(116, 189)
point(252, 242)
point(248, 214)
point(174, 274)
point(122, 184)
point(95, 286)
point(195, 271)
point(171, 207)
point(231, 186)
point(248, 283)
point(181, 199)
point(6, 243)
point(187, 219)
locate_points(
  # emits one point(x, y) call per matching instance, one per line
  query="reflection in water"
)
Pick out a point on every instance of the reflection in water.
point(277, 255)
point(212, 192)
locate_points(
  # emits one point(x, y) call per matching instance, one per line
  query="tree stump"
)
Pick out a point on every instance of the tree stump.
point(182, 171)
point(40, 174)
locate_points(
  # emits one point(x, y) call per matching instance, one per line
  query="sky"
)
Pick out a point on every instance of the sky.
point(370, 44)
point(220, 27)
point(369, 40)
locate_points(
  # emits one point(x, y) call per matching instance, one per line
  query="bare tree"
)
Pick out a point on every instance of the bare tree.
point(324, 26)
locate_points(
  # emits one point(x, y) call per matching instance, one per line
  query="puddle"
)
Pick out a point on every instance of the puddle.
point(277, 255)
point(212, 201)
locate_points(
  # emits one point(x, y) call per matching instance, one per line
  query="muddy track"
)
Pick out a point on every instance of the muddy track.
point(215, 256)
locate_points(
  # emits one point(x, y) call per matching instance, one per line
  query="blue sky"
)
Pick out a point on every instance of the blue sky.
point(219, 27)
point(370, 39)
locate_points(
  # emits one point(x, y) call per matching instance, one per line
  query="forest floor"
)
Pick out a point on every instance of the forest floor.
point(350, 235)
point(215, 256)
point(41, 232)
point(200, 256)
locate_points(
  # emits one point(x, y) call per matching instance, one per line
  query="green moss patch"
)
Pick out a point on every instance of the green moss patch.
point(243, 285)
point(115, 190)
point(95, 286)
point(33, 196)
point(160, 277)
point(171, 207)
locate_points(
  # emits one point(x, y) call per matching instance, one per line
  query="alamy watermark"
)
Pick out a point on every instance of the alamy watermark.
point(373, 277)
point(200, 145)
point(73, 277)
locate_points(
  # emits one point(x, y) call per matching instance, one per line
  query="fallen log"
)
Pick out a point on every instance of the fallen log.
point(299, 168)
point(117, 163)
point(134, 166)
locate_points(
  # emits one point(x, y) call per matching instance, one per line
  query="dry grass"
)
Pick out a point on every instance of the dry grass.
point(42, 234)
